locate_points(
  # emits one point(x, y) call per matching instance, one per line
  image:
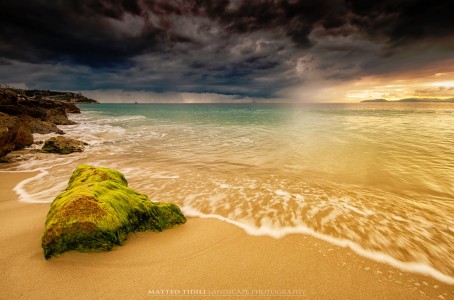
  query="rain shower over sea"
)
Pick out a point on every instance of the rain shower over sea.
point(375, 177)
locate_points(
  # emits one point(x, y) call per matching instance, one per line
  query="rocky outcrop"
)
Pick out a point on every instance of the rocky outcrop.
point(22, 136)
point(71, 108)
point(58, 116)
point(62, 145)
point(35, 125)
point(98, 210)
point(6, 144)
point(7, 120)
point(38, 114)
point(44, 109)
point(41, 127)
point(13, 137)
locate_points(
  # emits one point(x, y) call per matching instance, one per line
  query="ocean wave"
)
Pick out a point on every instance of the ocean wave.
point(117, 120)
point(40, 188)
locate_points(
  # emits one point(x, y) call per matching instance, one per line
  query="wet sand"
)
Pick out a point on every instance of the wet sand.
point(202, 257)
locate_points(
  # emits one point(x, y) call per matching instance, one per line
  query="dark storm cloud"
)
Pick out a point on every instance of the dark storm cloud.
point(403, 21)
point(81, 31)
point(74, 31)
point(245, 47)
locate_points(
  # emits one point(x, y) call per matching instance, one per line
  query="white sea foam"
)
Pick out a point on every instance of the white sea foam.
point(282, 193)
point(20, 191)
point(366, 212)
point(160, 176)
point(101, 120)
point(37, 166)
point(277, 233)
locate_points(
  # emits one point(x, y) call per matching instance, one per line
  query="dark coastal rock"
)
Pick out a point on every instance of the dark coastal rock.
point(37, 111)
point(8, 97)
point(35, 125)
point(71, 108)
point(14, 137)
point(41, 127)
point(6, 141)
point(39, 108)
point(22, 114)
point(7, 120)
point(3, 131)
point(23, 136)
point(17, 110)
point(7, 123)
point(98, 210)
point(62, 145)
point(58, 116)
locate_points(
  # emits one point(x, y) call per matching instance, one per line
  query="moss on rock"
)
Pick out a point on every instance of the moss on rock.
point(98, 210)
point(62, 145)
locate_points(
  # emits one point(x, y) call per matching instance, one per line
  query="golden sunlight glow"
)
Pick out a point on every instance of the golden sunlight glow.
point(420, 85)
point(433, 81)
point(443, 83)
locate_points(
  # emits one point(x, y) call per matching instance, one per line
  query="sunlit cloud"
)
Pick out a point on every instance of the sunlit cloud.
point(442, 83)
point(402, 86)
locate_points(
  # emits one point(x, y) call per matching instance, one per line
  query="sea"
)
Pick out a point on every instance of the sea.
point(377, 178)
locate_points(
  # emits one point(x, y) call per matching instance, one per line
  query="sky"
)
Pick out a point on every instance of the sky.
point(230, 51)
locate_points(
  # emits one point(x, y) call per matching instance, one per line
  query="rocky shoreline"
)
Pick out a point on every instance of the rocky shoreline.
point(21, 115)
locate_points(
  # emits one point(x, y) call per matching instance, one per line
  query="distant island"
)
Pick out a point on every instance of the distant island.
point(411, 100)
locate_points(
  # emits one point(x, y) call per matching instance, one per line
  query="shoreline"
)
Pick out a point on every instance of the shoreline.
point(380, 257)
point(204, 254)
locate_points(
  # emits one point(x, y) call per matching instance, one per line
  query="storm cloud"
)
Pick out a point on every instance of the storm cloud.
point(249, 48)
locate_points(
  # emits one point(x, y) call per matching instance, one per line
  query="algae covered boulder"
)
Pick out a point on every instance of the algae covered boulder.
point(62, 145)
point(98, 210)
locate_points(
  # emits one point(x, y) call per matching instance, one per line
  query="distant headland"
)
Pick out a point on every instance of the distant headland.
point(54, 95)
point(411, 100)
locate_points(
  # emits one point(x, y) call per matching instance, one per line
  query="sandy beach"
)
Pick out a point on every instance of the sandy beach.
point(203, 257)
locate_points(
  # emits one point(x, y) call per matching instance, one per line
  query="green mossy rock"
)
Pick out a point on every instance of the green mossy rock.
point(98, 210)
point(62, 145)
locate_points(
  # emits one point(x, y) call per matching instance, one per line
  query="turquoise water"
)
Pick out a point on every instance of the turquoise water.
point(375, 177)
point(401, 147)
